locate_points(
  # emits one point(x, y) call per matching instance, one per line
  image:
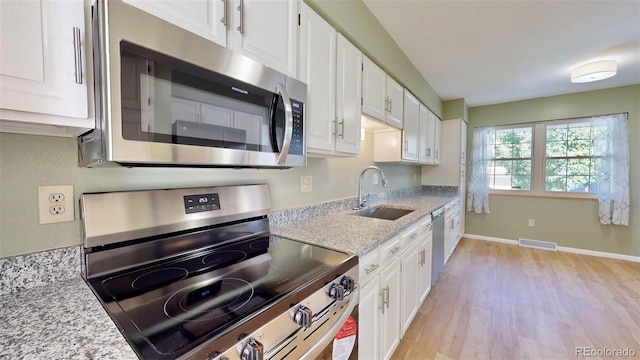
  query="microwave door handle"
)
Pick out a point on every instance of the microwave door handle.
point(288, 129)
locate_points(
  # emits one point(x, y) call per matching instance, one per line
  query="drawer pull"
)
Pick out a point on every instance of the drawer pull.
point(371, 268)
point(414, 236)
point(395, 250)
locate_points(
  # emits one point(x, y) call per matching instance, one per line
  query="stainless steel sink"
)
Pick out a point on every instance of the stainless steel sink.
point(383, 212)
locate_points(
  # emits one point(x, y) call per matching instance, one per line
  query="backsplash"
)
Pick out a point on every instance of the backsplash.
point(31, 270)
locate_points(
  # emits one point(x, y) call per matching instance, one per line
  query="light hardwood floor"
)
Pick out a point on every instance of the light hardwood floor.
point(499, 301)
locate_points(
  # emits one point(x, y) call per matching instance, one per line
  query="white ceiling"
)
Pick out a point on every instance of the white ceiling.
point(490, 52)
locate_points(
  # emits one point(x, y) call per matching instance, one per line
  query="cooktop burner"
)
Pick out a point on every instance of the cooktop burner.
point(190, 297)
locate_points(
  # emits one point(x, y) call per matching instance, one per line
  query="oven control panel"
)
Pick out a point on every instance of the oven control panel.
point(307, 327)
point(201, 202)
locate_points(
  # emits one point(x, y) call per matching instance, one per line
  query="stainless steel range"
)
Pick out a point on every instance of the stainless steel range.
point(195, 273)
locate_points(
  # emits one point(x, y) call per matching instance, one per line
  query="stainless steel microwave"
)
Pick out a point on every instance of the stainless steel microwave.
point(168, 97)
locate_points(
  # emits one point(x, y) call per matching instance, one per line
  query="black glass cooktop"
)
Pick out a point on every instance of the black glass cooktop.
point(163, 308)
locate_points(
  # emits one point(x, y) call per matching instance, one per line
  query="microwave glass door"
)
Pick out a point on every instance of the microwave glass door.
point(166, 100)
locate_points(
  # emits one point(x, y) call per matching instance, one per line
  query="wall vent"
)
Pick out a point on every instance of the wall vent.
point(546, 245)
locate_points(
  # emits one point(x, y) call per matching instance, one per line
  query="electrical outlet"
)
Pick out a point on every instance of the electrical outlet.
point(55, 204)
point(306, 184)
point(532, 222)
point(374, 179)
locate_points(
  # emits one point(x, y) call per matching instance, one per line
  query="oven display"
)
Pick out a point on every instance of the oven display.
point(200, 203)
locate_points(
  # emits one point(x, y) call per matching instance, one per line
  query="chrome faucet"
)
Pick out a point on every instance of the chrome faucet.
point(362, 202)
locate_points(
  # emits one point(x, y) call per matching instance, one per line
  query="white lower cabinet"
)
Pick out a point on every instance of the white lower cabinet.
point(425, 251)
point(452, 227)
point(390, 291)
point(410, 294)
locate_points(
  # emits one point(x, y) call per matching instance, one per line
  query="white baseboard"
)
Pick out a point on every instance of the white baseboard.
point(560, 248)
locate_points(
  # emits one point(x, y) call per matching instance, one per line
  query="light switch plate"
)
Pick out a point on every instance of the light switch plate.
point(55, 204)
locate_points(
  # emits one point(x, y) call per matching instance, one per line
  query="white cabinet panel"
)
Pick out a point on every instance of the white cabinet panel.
point(318, 70)
point(395, 95)
point(203, 17)
point(390, 280)
point(42, 63)
point(410, 132)
point(349, 93)
point(374, 99)
point(267, 31)
point(369, 320)
point(410, 268)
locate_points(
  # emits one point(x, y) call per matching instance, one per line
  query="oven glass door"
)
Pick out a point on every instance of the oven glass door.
point(166, 100)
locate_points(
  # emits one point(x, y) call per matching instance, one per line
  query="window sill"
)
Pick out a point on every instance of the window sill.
point(545, 195)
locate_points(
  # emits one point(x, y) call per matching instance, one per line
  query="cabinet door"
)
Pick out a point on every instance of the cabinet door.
point(202, 17)
point(373, 90)
point(185, 110)
point(42, 68)
point(437, 140)
point(318, 70)
point(369, 312)
point(411, 127)
point(395, 94)
point(391, 287)
point(410, 267)
point(423, 135)
point(267, 31)
point(349, 93)
point(424, 272)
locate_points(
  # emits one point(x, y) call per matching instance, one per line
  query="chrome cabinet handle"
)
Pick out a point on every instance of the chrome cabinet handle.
point(77, 50)
point(334, 127)
point(386, 105)
point(341, 133)
point(240, 27)
point(223, 19)
point(371, 269)
point(414, 236)
point(429, 152)
point(387, 290)
point(382, 298)
point(288, 129)
point(395, 250)
point(390, 105)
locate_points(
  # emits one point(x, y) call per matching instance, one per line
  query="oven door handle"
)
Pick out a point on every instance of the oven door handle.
point(288, 123)
point(321, 344)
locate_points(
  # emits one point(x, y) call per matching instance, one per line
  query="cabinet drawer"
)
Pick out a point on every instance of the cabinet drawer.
point(409, 236)
point(390, 249)
point(369, 265)
point(425, 225)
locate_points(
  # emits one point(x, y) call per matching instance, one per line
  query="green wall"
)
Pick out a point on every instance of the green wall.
point(28, 161)
point(455, 109)
point(571, 223)
point(353, 19)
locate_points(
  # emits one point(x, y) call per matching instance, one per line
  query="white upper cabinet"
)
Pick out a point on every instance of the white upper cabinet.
point(318, 70)
point(425, 151)
point(349, 93)
point(395, 96)
point(43, 74)
point(410, 133)
point(206, 18)
point(382, 97)
point(374, 98)
point(330, 65)
point(267, 31)
point(437, 153)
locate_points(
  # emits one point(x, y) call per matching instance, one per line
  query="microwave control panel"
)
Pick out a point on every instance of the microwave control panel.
point(297, 139)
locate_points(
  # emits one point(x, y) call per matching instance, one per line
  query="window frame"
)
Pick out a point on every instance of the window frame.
point(538, 169)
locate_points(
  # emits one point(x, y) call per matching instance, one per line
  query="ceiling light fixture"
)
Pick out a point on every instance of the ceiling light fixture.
point(595, 71)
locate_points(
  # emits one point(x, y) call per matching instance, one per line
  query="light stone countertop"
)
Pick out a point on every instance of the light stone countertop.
point(62, 320)
point(358, 234)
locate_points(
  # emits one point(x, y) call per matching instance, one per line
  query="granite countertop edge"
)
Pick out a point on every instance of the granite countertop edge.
point(343, 231)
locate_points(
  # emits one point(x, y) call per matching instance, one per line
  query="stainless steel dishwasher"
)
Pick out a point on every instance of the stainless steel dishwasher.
point(437, 264)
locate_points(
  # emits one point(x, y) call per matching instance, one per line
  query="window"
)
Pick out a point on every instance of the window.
point(511, 163)
point(571, 156)
point(586, 157)
point(545, 158)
